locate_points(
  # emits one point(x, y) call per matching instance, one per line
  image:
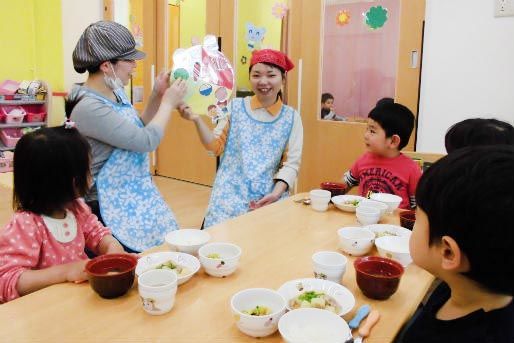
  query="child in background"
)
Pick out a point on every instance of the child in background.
point(383, 168)
point(478, 131)
point(327, 108)
point(463, 235)
point(44, 242)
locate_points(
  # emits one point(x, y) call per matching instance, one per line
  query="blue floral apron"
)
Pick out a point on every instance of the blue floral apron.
point(130, 204)
point(252, 156)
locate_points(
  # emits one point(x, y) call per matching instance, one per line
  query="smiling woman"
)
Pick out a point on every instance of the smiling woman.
point(261, 141)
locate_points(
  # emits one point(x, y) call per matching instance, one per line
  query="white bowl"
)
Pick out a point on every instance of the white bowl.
point(394, 247)
point(355, 241)
point(392, 201)
point(248, 299)
point(187, 240)
point(308, 325)
point(226, 264)
point(341, 295)
point(340, 202)
point(151, 261)
point(367, 215)
point(374, 203)
point(389, 230)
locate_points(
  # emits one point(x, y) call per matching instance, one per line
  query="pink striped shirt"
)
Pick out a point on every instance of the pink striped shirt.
point(26, 243)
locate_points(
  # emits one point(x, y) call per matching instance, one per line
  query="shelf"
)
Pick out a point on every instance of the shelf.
point(5, 126)
point(22, 102)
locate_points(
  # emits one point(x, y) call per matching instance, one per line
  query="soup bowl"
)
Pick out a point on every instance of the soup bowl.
point(111, 275)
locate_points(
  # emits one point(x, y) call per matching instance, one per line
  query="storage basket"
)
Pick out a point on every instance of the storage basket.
point(10, 136)
point(35, 113)
point(12, 114)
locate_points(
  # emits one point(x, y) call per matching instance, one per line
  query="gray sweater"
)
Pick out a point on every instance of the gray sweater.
point(106, 129)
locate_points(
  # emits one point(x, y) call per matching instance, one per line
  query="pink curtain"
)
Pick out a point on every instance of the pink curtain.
point(359, 64)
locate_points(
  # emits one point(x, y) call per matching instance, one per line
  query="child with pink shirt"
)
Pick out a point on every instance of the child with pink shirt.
point(383, 168)
point(44, 242)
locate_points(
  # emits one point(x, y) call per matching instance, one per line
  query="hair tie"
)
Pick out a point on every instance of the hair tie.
point(68, 124)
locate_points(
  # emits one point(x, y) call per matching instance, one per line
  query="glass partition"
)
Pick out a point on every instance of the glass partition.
point(360, 54)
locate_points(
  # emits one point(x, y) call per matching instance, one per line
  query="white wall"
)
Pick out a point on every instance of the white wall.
point(468, 68)
point(76, 16)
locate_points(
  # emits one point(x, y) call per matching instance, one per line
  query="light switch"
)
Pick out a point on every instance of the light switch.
point(503, 8)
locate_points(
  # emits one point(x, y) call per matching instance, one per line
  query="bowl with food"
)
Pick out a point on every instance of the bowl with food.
point(184, 265)
point(394, 247)
point(389, 230)
point(392, 201)
point(335, 188)
point(347, 203)
point(317, 293)
point(187, 240)
point(219, 259)
point(257, 311)
point(355, 241)
point(367, 215)
point(307, 325)
point(377, 277)
point(111, 275)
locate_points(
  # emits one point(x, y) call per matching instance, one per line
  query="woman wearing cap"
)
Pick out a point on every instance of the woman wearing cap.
point(261, 143)
point(123, 195)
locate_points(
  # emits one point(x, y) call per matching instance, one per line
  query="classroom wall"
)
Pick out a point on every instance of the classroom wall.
point(77, 15)
point(467, 68)
point(192, 21)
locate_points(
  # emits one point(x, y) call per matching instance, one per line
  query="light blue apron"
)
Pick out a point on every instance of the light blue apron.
point(130, 204)
point(252, 156)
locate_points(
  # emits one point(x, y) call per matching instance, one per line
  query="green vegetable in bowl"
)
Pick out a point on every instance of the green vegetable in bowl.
point(258, 311)
point(167, 265)
point(352, 202)
point(214, 256)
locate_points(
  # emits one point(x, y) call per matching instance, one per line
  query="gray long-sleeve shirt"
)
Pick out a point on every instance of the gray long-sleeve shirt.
point(106, 129)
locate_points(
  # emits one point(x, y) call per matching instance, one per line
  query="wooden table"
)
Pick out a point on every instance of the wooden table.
point(277, 243)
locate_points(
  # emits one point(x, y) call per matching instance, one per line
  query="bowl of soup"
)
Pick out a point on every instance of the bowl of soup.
point(111, 275)
point(377, 277)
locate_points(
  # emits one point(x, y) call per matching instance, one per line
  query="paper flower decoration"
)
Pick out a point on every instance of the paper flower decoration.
point(375, 17)
point(279, 10)
point(343, 17)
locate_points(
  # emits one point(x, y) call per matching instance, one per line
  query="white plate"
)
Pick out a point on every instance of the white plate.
point(394, 229)
point(339, 202)
point(343, 297)
point(151, 261)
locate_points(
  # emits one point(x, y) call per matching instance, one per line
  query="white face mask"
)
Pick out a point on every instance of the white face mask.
point(113, 83)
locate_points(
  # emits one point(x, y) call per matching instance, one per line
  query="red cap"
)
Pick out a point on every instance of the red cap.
point(272, 56)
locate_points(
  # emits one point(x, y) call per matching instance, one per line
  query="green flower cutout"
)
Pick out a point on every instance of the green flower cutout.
point(376, 17)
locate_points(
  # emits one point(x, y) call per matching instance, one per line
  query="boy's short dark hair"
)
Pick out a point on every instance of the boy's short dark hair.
point(478, 131)
point(468, 195)
point(51, 169)
point(325, 97)
point(395, 119)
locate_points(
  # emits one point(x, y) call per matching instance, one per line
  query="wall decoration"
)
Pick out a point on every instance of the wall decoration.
point(243, 59)
point(343, 17)
point(254, 36)
point(375, 17)
point(279, 10)
point(177, 2)
point(209, 77)
point(136, 30)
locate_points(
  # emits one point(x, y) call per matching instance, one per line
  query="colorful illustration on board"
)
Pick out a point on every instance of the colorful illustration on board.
point(209, 76)
point(254, 36)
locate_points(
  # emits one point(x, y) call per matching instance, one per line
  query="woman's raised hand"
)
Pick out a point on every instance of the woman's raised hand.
point(175, 93)
point(162, 82)
point(187, 113)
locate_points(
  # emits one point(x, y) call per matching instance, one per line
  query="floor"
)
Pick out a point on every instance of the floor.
point(187, 200)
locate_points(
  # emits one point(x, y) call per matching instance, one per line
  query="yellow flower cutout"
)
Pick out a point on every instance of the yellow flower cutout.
point(279, 10)
point(343, 18)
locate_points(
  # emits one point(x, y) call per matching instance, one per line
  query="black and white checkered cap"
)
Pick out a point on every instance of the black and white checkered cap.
point(104, 41)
